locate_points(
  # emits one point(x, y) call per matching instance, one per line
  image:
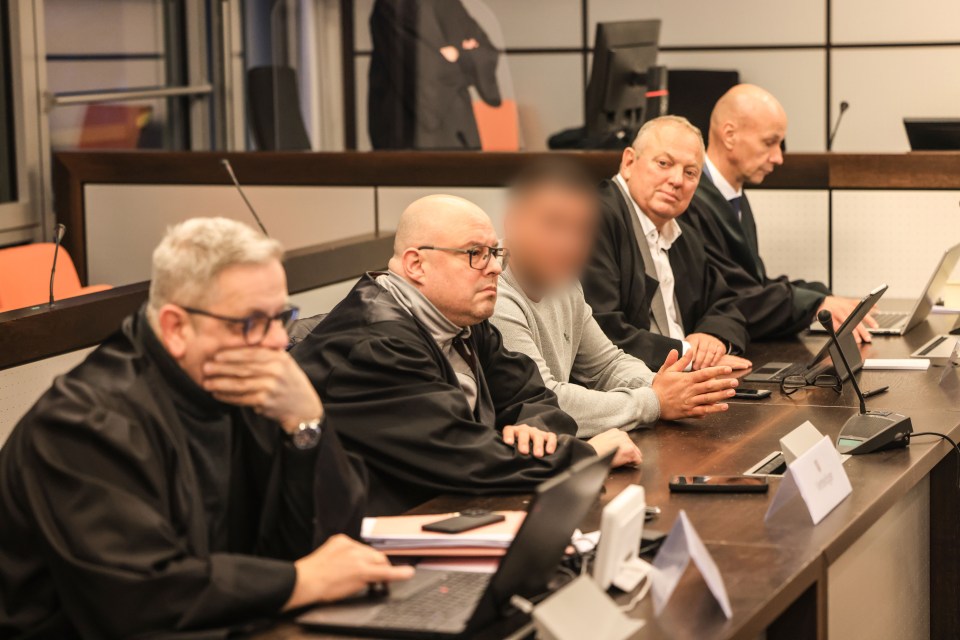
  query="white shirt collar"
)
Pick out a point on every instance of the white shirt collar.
point(671, 230)
point(725, 188)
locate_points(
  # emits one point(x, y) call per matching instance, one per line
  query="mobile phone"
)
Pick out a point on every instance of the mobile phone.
point(464, 521)
point(751, 394)
point(718, 484)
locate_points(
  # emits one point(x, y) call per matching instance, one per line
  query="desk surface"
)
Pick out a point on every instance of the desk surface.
point(768, 566)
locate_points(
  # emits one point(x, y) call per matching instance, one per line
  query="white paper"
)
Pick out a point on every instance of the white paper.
point(681, 546)
point(820, 479)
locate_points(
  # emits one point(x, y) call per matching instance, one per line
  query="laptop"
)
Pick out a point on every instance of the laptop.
point(450, 604)
point(777, 371)
point(897, 323)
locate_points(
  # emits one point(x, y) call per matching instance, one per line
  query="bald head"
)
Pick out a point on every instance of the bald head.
point(431, 251)
point(747, 126)
point(434, 220)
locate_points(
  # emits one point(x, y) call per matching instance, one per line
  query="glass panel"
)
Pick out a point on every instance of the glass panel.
point(8, 151)
point(434, 76)
point(124, 44)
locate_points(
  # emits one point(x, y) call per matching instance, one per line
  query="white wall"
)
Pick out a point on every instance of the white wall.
point(780, 44)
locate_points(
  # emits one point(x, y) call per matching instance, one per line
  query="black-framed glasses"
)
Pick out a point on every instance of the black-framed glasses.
point(479, 255)
point(791, 384)
point(255, 326)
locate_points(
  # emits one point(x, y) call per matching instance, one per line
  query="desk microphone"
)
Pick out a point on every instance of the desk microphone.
point(226, 165)
point(868, 431)
point(58, 232)
point(844, 105)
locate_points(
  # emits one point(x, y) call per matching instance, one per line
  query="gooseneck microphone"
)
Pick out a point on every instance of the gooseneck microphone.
point(844, 105)
point(58, 232)
point(226, 165)
point(868, 431)
point(826, 319)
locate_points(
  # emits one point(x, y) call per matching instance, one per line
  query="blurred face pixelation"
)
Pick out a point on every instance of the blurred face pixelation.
point(550, 232)
point(663, 174)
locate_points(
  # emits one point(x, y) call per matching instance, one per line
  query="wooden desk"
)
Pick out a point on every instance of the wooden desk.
point(776, 573)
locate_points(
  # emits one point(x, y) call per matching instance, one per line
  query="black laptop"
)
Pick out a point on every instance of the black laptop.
point(449, 604)
point(777, 371)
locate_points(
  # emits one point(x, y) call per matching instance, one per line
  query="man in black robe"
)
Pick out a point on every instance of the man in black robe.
point(416, 380)
point(154, 490)
point(426, 55)
point(747, 126)
point(648, 280)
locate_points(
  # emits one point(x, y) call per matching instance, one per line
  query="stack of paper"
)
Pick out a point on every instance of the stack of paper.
point(404, 536)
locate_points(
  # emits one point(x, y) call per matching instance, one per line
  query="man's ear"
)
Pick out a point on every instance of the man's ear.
point(627, 160)
point(728, 134)
point(174, 327)
point(412, 263)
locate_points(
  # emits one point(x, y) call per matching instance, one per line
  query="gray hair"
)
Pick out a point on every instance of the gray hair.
point(652, 126)
point(193, 253)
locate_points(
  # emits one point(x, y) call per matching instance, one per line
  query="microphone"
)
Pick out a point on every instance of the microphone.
point(844, 105)
point(826, 319)
point(226, 165)
point(58, 232)
point(868, 431)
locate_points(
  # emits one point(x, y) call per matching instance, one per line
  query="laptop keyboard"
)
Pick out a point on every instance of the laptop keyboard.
point(442, 606)
point(889, 319)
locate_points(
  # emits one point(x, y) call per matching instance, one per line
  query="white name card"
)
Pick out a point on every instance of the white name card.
point(681, 546)
point(820, 479)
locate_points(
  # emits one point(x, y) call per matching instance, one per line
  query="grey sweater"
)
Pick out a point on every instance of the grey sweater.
point(598, 384)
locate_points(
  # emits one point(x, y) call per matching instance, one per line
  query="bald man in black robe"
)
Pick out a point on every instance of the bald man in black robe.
point(155, 491)
point(416, 380)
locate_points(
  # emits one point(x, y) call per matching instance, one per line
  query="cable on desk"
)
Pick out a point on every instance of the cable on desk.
point(911, 436)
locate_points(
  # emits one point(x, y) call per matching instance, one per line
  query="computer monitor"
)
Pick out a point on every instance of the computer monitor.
point(617, 92)
point(933, 134)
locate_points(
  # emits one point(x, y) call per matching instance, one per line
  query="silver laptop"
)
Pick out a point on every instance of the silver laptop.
point(897, 323)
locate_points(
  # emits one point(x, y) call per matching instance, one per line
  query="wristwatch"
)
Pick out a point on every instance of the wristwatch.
point(307, 434)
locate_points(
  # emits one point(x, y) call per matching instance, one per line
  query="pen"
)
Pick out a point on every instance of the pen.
point(876, 392)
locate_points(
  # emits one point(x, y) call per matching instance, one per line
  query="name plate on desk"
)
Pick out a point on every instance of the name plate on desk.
point(820, 479)
point(682, 546)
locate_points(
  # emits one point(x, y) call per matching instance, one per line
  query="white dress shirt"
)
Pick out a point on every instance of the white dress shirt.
point(660, 243)
point(725, 188)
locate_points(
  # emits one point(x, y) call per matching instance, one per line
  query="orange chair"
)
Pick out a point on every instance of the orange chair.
point(25, 276)
point(498, 126)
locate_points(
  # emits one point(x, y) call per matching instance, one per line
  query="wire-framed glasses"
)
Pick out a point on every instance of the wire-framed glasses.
point(791, 384)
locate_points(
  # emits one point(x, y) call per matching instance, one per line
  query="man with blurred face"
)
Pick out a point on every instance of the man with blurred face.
point(550, 226)
point(648, 279)
point(417, 381)
point(166, 485)
point(747, 127)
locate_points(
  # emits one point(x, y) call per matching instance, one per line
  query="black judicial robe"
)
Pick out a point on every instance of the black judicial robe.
point(394, 399)
point(773, 307)
point(615, 284)
point(417, 99)
point(132, 504)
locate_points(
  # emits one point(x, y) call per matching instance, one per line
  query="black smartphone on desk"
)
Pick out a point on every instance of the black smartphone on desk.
point(464, 521)
point(751, 394)
point(718, 484)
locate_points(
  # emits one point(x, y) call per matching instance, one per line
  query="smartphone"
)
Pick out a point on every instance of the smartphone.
point(465, 521)
point(718, 484)
point(751, 394)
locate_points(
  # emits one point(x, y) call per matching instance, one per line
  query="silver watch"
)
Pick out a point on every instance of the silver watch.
point(307, 435)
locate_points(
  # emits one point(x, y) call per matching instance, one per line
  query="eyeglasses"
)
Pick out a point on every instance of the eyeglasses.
point(791, 384)
point(479, 256)
point(256, 326)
